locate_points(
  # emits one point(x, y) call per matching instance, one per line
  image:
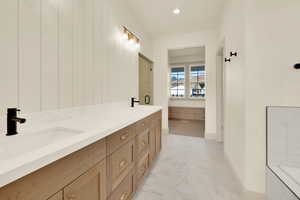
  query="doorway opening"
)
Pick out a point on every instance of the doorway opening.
point(145, 80)
point(187, 91)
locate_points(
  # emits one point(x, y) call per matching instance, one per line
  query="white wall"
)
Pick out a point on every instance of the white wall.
point(64, 53)
point(232, 35)
point(187, 59)
point(271, 41)
point(272, 47)
point(161, 46)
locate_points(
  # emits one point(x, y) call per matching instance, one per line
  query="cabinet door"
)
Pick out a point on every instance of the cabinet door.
point(89, 186)
point(152, 155)
point(158, 135)
point(143, 143)
point(142, 170)
point(120, 163)
point(58, 196)
point(125, 189)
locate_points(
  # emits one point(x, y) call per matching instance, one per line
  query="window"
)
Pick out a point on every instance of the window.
point(177, 88)
point(197, 81)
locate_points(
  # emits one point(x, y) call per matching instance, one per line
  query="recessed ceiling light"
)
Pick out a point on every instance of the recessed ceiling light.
point(176, 11)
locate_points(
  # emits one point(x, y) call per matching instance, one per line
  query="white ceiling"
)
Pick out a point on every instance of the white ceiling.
point(157, 15)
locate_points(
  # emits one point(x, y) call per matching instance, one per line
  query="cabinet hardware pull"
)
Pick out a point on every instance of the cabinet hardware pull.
point(124, 196)
point(124, 137)
point(123, 163)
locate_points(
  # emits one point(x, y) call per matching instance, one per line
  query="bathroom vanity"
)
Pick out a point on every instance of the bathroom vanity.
point(103, 152)
point(283, 153)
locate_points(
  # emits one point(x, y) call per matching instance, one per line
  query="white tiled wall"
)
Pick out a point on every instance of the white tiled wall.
point(284, 136)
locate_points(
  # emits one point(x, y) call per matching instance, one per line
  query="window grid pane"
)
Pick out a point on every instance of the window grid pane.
point(197, 82)
point(177, 88)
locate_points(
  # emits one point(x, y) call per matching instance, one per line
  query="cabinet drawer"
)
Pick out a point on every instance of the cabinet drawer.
point(90, 185)
point(143, 143)
point(120, 138)
point(143, 125)
point(121, 163)
point(142, 169)
point(125, 190)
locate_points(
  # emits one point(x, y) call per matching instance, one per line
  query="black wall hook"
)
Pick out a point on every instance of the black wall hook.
point(233, 53)
point(227, 60)
point(297, 66)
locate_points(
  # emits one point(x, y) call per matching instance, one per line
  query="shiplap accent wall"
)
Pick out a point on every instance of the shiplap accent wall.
point(63, 53)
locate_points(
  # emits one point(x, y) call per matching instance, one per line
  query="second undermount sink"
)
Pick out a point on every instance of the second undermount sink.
point(14, 146)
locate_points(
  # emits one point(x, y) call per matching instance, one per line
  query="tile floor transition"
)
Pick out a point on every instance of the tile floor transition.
point(190, 168)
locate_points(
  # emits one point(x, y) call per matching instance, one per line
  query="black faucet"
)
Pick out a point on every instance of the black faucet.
point(12, 120)
point(133, 101)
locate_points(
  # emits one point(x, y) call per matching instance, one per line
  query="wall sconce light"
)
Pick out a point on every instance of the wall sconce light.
point(132, 39)
point(227, 60)
point(233, 53)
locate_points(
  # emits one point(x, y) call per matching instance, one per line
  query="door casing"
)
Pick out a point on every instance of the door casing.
point(145, 80)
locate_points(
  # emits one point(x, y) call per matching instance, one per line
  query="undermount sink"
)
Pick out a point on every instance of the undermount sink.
point(12, 146)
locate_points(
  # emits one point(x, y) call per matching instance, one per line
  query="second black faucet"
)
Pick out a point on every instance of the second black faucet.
point(133, 101)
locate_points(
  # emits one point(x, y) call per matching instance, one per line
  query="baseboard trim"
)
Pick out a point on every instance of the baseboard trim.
point(234, 172)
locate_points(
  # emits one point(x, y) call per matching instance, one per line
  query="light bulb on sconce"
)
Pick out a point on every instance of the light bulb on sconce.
point(137, 45)
point(132, 40)
point(124, 36)
point(176, 11)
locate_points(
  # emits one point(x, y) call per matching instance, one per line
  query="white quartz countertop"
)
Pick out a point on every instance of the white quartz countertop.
point(49, 136)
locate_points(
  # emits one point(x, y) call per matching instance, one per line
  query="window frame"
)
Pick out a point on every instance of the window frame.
point(190, 82)
point(184, 84)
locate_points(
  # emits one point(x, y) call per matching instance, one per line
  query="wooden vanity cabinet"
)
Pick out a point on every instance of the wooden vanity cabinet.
point(118, 139)
point(155, 137)
point(143, 143)
point(91, 185)
point(120, 163)
point(158, 136)
point(110, 169)
point(142, 170)
point(152, 147)
point(57, 196)
point(125, 190)
point(53, 178)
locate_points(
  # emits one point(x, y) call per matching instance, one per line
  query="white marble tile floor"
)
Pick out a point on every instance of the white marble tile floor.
point(190, 168)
